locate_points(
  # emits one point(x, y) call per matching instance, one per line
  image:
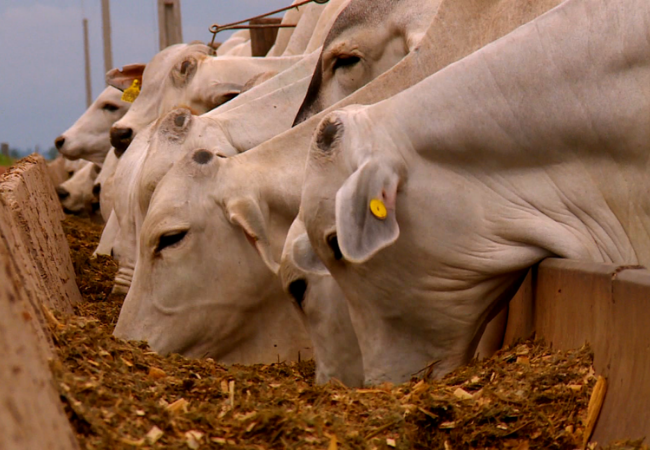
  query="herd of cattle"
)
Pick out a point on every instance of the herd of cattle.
point(371, 192)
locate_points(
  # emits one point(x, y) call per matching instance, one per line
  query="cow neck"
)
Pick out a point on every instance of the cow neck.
point(581, 136)
point(273, 114)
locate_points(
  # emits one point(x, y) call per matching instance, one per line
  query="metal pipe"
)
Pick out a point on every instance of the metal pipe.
point(216, 28)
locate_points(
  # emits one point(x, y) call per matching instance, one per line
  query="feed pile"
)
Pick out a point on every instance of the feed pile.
point(122, 395)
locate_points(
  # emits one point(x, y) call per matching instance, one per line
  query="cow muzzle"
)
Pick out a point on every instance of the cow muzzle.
point(121, 138)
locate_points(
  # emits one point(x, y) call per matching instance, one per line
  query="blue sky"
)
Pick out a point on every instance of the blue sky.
point(42, 87)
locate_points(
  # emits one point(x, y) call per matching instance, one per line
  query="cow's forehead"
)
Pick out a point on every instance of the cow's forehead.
point(171, 55)
point(368, 12)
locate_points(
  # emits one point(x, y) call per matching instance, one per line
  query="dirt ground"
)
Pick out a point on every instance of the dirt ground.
point(122, 395)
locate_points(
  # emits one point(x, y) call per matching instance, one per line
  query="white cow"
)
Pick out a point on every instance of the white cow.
point(238, 37)
point(76, 193)
point(534, 146)
point(293, 17)
point(352, 56)
point(324, 311)
point(275, 123)
point(89, 137)
point(184, 75)
point(234, 127)
point(216, 320)
point(272, 101)
point(57, 170)
point(261, 188)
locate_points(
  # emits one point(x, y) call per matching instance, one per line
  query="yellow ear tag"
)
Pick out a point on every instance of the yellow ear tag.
point(378, 209)
point(132, 92)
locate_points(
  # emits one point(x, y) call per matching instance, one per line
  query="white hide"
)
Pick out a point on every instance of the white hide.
point(366, 39)
point(496, 162)
point(291, 17)
point(76, 193)
point(109, 233)
point(325, 21)
point(234, 127)
point(269, 180)
point(323, 309)
point(183, 75)
point(238, 313)
point(104, 184)
point(89, 138)
point(237, 38)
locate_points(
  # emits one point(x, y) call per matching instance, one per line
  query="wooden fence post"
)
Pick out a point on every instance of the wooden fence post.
point(262, 39)
point(169, 23)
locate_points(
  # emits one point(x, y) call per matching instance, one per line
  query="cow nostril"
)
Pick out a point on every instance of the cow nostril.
point(97, 189)
point(58, 142)
point(297, 289)
point(120, 139)
point(62, 192)
point(122, 133)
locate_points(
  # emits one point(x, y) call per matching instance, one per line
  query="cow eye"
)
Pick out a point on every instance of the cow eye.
point(297, 289)
point(170, 240)
point(345, 61)
point(185, 66)
point(110, 107)
point(333, 243)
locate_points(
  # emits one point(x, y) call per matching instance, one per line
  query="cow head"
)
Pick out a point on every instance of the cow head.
point(89, 137)
point(175, 135)
point(168, 81)
point(362, 229)
point(200, 287)
point(76, 193)
point(367, 38)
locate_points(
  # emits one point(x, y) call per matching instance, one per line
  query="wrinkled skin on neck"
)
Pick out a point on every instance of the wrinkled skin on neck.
point(89, 138)
point(186, 298)
point(367, 38)
point(536, 145)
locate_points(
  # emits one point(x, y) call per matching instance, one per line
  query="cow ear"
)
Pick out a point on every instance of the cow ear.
point(305, 258)
point(246, 213)
point(365, 211)
point(123, 79)
point(223, 92)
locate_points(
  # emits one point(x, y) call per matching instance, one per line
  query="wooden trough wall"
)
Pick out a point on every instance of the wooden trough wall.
point(566, 302)
point(569, 303)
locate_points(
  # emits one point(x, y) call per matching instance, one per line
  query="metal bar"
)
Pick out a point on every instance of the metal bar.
point(252, 27)
point(216, 28)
